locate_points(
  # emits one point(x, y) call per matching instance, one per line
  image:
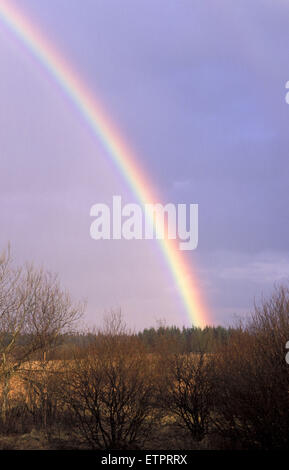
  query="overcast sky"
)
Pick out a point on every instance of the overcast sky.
point(197, 88)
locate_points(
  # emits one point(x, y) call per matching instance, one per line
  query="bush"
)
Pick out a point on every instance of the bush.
point(110, 391)
point(252, 379)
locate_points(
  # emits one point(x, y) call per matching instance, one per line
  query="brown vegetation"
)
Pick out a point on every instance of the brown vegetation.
point(114, 389)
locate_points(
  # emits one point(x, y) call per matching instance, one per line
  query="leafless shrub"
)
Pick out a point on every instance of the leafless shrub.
point(110, 390)
point(186, 392)
point(252, 379)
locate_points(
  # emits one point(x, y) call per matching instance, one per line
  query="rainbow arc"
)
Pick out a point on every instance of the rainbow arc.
point(102, 127)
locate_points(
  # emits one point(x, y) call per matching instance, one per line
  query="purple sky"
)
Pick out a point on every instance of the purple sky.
point(198, 90)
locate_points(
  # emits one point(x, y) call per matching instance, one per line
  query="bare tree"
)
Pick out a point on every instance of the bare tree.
point(110, 389)
point(252, 378)
point(34, 312)
point(186, 392)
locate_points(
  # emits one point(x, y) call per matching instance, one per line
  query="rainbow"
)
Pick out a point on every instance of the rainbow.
point(104, 130)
